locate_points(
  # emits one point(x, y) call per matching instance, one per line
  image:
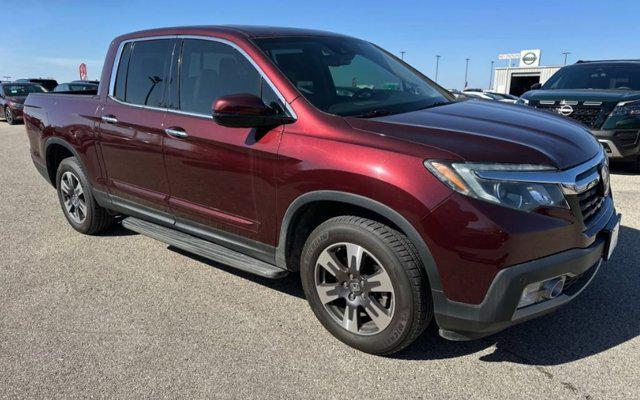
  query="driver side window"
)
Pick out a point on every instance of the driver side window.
point(212, 69)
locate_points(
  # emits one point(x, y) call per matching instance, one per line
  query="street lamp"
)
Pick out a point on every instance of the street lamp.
point(466, 74)
point(491, 77)
point(437, 62)
point(566, 53)
point(402, 55)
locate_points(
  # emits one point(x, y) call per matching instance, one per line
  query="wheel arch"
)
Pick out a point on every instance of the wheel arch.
point(291, 217)
point(56, 150)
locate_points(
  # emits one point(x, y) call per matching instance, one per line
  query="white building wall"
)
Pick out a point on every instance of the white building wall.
point(502, 76)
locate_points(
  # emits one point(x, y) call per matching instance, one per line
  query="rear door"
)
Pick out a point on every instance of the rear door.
point(222, 179)
point(131, 127)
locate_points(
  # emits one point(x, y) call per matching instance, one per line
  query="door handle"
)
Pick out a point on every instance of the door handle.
point(176, 133)
point(109, 119)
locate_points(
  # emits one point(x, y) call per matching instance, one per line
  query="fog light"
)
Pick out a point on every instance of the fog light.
point(541, 291)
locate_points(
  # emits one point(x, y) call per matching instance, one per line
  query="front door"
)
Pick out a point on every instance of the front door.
point(220, 178)
point(131, 126)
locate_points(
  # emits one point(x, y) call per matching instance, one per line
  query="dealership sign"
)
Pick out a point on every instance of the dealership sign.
point(509, 56)
point(530, 58)
point(83, 71)
point(527, 58)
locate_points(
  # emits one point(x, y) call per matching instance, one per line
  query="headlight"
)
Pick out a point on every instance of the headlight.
point(522, 101)
point(627, 108)
point(525, 196)
point(13, 104)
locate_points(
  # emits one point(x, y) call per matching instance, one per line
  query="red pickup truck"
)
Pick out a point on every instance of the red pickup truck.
point(274, 150)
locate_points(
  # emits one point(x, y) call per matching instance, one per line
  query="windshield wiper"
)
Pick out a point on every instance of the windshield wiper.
point(372, 114)
point(436, 104)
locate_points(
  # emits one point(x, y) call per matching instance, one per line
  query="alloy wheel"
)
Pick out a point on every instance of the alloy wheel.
point(354, 288)
point(8, 116)
point(75, 203)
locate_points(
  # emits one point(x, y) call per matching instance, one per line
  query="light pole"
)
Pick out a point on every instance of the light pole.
point(566, 53)
point(437, 63)
point(466, 74)
point(402, 55)
point(491, 77)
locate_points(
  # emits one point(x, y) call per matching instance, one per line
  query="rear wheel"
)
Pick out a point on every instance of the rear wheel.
point(365, 284)
point(78, 204)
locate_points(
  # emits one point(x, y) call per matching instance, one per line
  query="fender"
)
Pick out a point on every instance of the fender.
point(364, 202)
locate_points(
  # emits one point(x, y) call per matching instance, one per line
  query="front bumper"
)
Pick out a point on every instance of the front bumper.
point(620, 144)
point(498, 310)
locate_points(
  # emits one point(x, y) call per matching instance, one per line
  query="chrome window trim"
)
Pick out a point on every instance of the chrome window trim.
point(116, 63)
point(566, 178)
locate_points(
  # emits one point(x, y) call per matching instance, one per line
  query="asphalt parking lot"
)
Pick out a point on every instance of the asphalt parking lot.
point(124, 316)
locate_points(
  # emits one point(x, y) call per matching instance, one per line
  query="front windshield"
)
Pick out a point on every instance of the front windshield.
point(350, 77)
point(594, 76)
point(22, 90)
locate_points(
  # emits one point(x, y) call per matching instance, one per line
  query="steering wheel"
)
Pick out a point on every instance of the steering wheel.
point(363, 93)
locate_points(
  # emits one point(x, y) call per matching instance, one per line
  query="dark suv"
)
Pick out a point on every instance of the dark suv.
point(276, 150)
point(604, 96)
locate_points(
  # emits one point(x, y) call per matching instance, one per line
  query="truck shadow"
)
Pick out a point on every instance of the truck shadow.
point(620, 168)
point(290, 284)
point(605, 315)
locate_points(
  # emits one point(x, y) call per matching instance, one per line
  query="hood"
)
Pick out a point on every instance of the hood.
point(483, 131)
point(580, 95)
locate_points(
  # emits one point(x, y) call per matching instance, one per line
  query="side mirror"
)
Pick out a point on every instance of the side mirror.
point(536, 86)
point(246, 111)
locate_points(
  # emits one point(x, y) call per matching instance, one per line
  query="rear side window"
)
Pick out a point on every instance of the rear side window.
point(147, 70)
point(121, 76)
point(211, 69)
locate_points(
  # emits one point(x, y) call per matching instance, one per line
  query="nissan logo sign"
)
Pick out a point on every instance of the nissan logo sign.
point(529, 58)
point(565, 110)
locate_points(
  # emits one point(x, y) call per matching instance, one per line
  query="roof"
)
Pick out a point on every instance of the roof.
point(247, 31)
point(607, 61)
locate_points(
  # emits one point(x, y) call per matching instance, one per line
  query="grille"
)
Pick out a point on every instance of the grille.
point(587, 115)
point(590, 202)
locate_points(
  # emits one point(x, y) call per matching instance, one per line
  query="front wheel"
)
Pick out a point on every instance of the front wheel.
point(365, 284)
point(8, 116)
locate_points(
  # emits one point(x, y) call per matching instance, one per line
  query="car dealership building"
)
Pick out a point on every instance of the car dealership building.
point(517, 79)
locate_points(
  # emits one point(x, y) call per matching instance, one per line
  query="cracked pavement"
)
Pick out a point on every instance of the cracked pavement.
point(124, 316)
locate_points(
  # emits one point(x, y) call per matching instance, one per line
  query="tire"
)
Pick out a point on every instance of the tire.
point(372, 312)
point(82, 211)
point(8, 116)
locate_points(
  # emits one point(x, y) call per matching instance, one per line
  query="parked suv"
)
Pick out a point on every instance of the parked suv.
point(274, 150)
point(604, 96)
